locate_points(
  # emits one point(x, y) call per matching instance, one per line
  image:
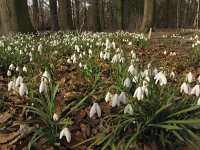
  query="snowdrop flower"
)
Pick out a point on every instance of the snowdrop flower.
point(122, 59)
point(185, 88)
point(108, 44)
point(130, 43)
point(90, 51)
point(115, 100)
point(127, 82)
point(95, 109)
point(46, 77)
point(69, 61)
point(122, 97)
point(65, 132)
point(195, 90)
point(24, 69)
point(19, 81)
point(132, 70)
point(145, 90)
point(80, 65)
point(165, 52)
point(139, 93)
point(155, 71)
point(43, 87)
point(8, 73)
point(172, 74)
point(108, 97)
point(101, 55)
point(135, 79)
point(55, 117)
point(198, 102)
point(189, 77)
point(160, 77)
point(198, 78)
point(113, 45)
point(106, 56)
point(11, 67)
point(17, 69)
point(23, 89)
point(10, 85)
point(40, 48)
point(128, 109)
point(80, 56)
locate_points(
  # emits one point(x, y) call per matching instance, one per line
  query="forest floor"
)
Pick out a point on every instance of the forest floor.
point(169, 52)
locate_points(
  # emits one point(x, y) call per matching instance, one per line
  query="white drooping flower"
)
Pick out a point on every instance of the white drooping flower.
point(69, 61)
point(185, 88)
point(115, 100)
point(24, 69)
point(195, 90)
point(46, 77)
point(160, 77)
point(189, 77)
point(172, 74)
point(128, 109)
point(127, 82)
point(8, 73)
point(145, 90)
point(10, 85)
point(106, 56)
point(132, 70)
point(101, 54)
point(95, 109)
point(19, 81)
point(165, 52)
point(198, 102)
point(40, 48)
point(139, 93)
point(198, 79)
point(80, 65)
point(23, 89)
point(43, 87)
point(55, 117)
point(135, 79)
point(65, 132)
point(17, 69)
point(108, 97)
point(122, 97)
point(113, 45)
point(11, 67)
point(155, 71)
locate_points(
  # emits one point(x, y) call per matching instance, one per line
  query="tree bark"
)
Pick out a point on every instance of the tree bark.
point(65, 15)
point(148, 16)
point(77, 5)
point(35, 14)
point(15, 16)
point(96, 17)
point(54, 15)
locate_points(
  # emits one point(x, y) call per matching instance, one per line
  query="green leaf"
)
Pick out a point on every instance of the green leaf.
point(169, 127)
point(184, 111)
point(189, 121)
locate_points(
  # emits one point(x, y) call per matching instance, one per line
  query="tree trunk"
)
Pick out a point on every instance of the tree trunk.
point(96, 17)
point(77, 5)
point(35, 14)
point(54, 15)
point(15, 16)
point(65, 15)
point(148, 15)
point(121, 14)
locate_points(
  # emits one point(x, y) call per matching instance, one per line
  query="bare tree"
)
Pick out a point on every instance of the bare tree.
point(65, 19)
point(15, 16)
point(54, 15)
point(148, 16)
